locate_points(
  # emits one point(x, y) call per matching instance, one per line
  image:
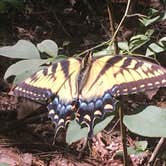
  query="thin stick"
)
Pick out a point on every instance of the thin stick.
point(156, 151)
point(110, 41)
point(123, 137)
point(112, 27)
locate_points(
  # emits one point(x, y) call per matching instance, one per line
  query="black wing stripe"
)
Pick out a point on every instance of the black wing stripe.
point(45, 71)
point(54, 67)
point(127, 63)
point(65, 68)
point(140, 85)
point(110, 62)
point(138, 65)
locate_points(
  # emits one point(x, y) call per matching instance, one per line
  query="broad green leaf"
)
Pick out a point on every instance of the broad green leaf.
point(24, 66)
point(21, 77)
point(148, 21)
point(101, 125)
point(150, 122)
point(49, 47)
point(23, 49)
point(75, 132)
point(123, 45)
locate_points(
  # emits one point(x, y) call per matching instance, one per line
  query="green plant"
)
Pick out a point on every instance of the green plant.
point(31, 59)
point(5, 5)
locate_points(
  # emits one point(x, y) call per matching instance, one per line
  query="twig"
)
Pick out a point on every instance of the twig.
point(123, 136)
point(156, 151)
point(136, 14)
point(112, 27)
point(121, 22)
point(110, 41)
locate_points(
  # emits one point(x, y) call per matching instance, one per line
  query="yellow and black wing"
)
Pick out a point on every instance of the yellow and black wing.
point(90, 88)
point(112, 76)
point(54, 84)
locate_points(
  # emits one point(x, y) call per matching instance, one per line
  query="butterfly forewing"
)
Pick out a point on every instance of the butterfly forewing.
point(123, 75)
point(50, 81)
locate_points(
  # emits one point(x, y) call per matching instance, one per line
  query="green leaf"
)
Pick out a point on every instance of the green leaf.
point(141, 145)
point(158, 47)
point(24, 66)
point(139, 40)
point(21, 77)
point(150, 122)
point(49, 47)
point(164, 17)
point(123, 45)
point(65, 43)
point(105, 51)
point(152, 11)
point(149, 32)
point(75, 132)
point(148, 21)
point(4, 164)
point(101, 125)
point(14, 3)
point(23, 49)
point(3, 7)
point(162, 42)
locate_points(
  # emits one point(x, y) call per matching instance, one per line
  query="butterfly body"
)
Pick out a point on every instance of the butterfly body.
point(87, 89)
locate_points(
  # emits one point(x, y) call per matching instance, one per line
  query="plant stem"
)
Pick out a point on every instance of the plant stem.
point(112, 27)
point(110, 41)
point(123, 136)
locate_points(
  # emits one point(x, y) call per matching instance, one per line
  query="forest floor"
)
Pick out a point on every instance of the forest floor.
point(75, 27)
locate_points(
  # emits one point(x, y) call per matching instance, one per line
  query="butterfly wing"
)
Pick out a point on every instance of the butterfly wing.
point(110, 77)
point(55, 84)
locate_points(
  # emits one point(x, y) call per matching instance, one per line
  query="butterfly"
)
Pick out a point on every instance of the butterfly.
point(86, 89)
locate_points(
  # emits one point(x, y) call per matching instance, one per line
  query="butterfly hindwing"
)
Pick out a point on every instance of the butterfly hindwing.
point(54, 84)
